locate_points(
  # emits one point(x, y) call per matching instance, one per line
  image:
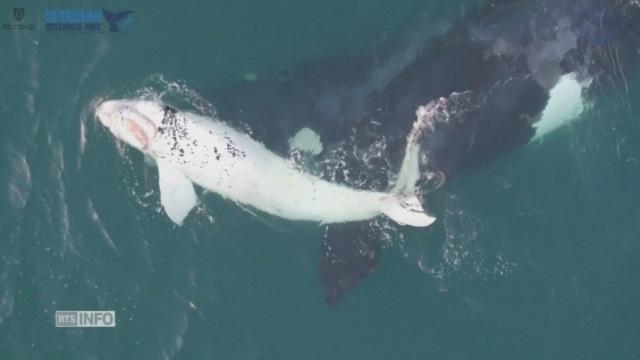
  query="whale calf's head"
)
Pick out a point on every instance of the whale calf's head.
point(132, 121)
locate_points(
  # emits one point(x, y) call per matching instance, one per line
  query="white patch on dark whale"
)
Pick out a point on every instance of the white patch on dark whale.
point(566, 103)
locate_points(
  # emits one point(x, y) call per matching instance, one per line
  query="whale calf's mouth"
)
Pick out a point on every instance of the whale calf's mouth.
point(131, 121)
point(139, 134)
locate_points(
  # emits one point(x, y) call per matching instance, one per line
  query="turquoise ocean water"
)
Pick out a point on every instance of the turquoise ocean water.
point(535, 256)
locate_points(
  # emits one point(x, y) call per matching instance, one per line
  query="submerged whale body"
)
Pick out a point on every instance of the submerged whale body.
point(513, 72)
point(504, 61)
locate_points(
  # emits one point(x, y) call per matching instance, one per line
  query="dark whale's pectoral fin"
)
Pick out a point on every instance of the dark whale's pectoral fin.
point(349, 253)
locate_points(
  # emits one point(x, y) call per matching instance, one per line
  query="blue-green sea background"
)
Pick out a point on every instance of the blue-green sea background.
point(535, 256)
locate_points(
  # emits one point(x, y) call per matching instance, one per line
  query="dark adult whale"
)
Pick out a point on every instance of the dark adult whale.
point(509, 73)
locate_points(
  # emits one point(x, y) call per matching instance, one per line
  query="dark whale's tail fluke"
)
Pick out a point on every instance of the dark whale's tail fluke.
point(349, 253)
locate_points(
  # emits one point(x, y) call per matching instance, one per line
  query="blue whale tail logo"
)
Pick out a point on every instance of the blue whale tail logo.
point(113, 18)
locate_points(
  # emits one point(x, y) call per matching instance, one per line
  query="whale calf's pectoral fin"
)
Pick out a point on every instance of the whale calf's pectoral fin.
point(176, 193)
point(349, 253)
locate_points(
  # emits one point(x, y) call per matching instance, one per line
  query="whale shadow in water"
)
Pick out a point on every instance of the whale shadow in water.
point(487, 81)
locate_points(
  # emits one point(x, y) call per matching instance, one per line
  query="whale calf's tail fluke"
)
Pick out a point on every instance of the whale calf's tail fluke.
point(406, 210)
point(403, 204)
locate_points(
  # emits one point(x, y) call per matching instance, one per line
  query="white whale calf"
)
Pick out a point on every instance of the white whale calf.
point(190, 148)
